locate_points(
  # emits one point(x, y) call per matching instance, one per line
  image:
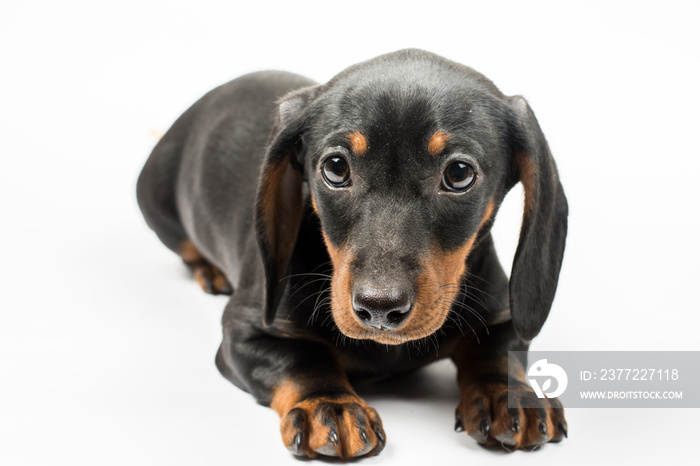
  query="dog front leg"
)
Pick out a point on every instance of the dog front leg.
point(306, 384)
point(483, 375)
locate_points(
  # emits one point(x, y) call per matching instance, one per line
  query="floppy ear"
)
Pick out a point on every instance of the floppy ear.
point(538, 257)
point(278, 206)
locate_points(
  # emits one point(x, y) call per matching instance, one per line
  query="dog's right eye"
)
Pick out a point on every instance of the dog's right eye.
point(336, 171)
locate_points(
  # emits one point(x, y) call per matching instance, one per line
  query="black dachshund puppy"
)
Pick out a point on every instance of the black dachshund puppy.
point(351, 223)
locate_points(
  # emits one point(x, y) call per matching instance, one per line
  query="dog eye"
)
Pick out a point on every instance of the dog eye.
point(336, 171)
point(458, 177)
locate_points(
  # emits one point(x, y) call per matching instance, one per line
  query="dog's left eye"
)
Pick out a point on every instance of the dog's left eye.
point(336, 171)
point(458, 177)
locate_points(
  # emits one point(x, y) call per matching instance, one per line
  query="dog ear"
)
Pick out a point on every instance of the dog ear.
point(278, 206)
point(538, 257)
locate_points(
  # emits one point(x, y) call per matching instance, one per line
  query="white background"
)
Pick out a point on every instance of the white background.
point(107, 345)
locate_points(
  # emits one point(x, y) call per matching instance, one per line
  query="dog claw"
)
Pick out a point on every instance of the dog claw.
point(485, 426)
point(295, 447)
point(363, 437)
point(367, 447)
point(562, 429)
point(381, 441)
point(543, 428)
point(334, 438)
point(459, 425)
point(380, 437)
point(481, 434)
point(516, 426)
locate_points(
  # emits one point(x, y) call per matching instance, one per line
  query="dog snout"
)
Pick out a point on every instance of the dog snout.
point(385, 308)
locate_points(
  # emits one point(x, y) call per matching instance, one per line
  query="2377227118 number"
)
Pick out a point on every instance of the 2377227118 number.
point(639, 374)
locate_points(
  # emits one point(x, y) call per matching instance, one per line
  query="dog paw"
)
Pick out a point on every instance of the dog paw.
point(484, 414)
point(344, 427)
point(211, 279)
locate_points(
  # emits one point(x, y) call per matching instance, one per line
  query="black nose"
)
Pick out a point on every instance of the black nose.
point(381, 308)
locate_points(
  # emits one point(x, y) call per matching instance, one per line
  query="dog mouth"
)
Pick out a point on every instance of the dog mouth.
point(412, 328)
point(394, 307)
point(389, 315)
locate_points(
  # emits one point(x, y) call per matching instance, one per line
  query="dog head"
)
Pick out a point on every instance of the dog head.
point(407, 158)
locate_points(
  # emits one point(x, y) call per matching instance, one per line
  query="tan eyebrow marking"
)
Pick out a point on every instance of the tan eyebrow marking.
point(358, 143)
point(437, 143)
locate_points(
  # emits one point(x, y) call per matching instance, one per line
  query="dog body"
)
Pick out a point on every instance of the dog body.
point(351, 220)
